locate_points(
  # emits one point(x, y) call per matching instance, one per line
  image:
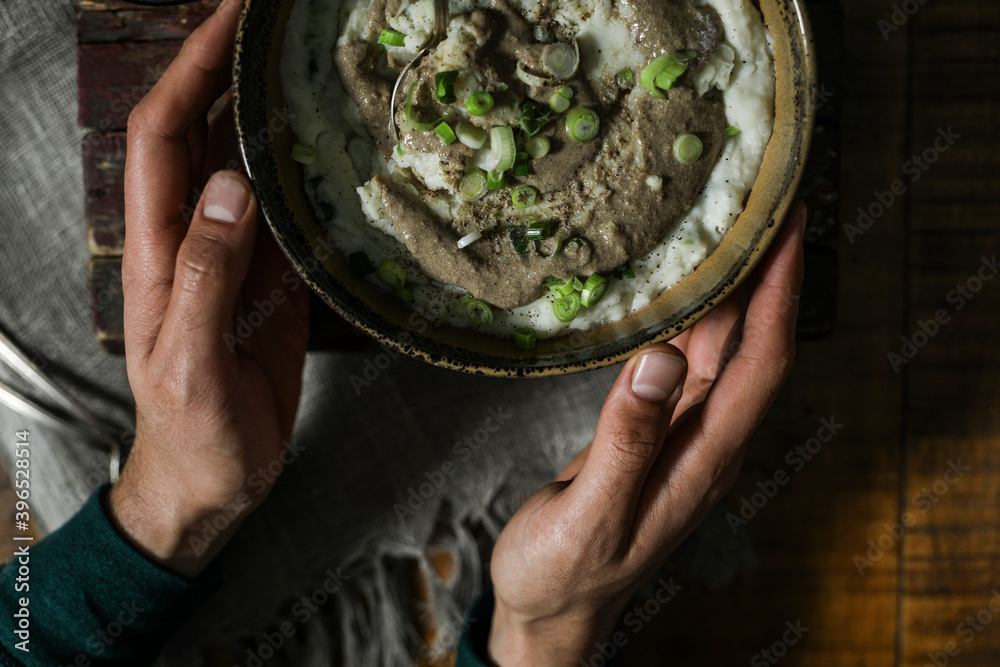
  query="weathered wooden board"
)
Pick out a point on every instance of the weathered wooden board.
point(103, 181)
point(951, 608)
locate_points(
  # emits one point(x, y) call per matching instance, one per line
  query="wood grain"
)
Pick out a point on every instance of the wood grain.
point(951, 582)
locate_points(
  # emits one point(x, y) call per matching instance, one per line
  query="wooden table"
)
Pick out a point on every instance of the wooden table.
point(904, 429)
point(832, 558)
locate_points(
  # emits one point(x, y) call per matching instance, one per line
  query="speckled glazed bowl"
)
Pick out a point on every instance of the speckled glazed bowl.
point(266, 141)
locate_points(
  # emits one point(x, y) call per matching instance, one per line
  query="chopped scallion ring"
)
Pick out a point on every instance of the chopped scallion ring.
point(502, 147)
point(518, 240)
point(559, 101)
point(561, 60)
point(687, 148)
point(391, 38)
point(537, 147)
point(403, 294)
point(538, 231)
point(540, 246)
point(562, 287)
point(627, 76)
point(524, 338)
point(479, 312)
point(566, 306)
point(473, 186)
point(732, 131)
point(391, 274)
point(521, 164)
point(582, 125)
point(624, 272)
point(411, 118)
point(524, 197)
point(660, 74)
point(479, 103)
point(304, 154)
point(444, 86)
point(360, 263)
point(470, 135)
point(593, 290)
point(495, 180)
point(445, 133)
point(469, 238)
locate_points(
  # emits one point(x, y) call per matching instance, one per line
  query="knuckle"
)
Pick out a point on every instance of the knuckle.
point(202, 261)
point(633, 442)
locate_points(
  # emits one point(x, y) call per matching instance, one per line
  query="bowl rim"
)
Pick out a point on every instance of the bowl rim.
point(400, 339)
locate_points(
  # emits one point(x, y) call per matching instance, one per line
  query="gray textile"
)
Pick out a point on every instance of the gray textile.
point(333, 509)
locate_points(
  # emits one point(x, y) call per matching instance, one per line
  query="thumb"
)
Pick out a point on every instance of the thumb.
point(212, 262)
point(633, 425)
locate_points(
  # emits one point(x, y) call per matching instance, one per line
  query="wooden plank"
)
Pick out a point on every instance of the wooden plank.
point(951, 555)
point(113, 78)
point(136, 26)
point(104, 183)
point(197, 6)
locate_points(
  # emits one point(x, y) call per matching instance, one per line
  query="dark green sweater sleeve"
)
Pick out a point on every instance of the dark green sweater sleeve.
point(92, 598)
point(472, 647)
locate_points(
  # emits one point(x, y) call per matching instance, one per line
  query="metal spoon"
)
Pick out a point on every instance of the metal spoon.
point(437, 36)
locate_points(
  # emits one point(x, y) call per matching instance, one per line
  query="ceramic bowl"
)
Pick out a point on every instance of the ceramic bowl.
point(266, 141)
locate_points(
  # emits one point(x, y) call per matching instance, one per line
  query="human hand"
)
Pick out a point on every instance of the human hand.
point(669, 444)
point(212, 408)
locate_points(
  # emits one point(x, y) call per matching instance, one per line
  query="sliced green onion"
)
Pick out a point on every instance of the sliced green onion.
point(445, 133)
point(561, 60)
point(593, 290)
point(582, 125)
point(391, 274)
point(479, 103)
point(537, 147)
point(566, 306)
point(502, 148)
point(687, 148)
point(304, 154)
point(524, 338)
point(496, 180)
point(555, 251)
point(469, 238)
point(660, 74)
point(563, 287)
point(524, 197)
point(360, 263)
point(399, 149)
point(624, 272)
point(411, 117)
point(470, 135)
point(732, 131)
point(577, 284)
point(533, 117)
point(521, 164)
point(518, 240)
point(479, 312)
point(403, 294)
point(559, 101)
point(575, 244)
point(538, 231)
point(473, 185)
point(627, 76)
point(444, 86)
point(391, 38)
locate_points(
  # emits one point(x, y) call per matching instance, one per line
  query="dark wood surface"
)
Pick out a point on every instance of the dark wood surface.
point(890, 94)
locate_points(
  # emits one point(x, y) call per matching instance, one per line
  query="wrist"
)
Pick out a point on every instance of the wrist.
point(178, 527)
point(550, 642)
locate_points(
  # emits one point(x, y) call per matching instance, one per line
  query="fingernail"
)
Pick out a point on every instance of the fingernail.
point(226, 198)
point(658, 376)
